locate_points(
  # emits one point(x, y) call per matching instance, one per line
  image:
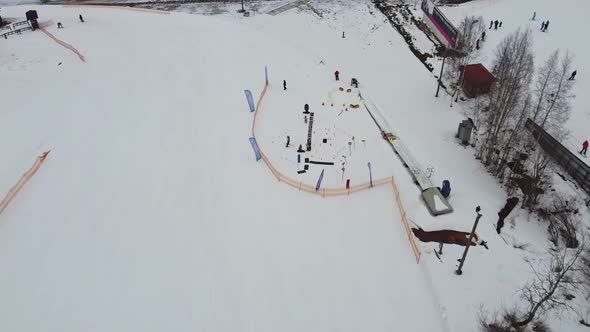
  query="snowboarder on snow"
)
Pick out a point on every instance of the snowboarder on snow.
point(573, 75)
point(542, 25)
point(59, 25)
point(546, 26)
point(284, 85)
point(584, 148)
point(288, 141)
point(491, 24)
point(81, 18)
point(337, 75)
point(496, 24)
point(305, 109)
point(534, 16)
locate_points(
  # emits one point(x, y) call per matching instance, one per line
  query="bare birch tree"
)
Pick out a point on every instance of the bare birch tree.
point(552, 281)
point(513, 68)
point(470, 30)
point(558, 107)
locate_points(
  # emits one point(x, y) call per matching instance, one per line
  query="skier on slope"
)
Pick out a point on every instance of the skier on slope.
point(337, 75)
point(288, 141)
point(573, 77)
point(496, 22)
point(483, 36)
point(491, 24)
point(284, 85)
point(546, 26)
point(584, 148)
point(81, 18)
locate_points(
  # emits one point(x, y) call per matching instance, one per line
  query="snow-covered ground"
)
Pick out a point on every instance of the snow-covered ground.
point(150, 212)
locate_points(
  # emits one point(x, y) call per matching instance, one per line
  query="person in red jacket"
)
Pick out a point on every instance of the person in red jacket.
point(584, 148)
point(337, 74)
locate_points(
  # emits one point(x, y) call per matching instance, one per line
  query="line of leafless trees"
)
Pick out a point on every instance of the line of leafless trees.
point(511, 153)
point(502, 143)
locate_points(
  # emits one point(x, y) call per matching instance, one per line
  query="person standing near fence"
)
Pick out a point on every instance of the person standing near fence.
point(584, 148)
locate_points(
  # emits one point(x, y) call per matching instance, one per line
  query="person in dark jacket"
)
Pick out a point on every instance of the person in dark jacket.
point(81, 18)
point(574, 73)
point(284, 85)
point(446, 189)
point(483, 36)
point(288, 141)
point(546, 26)
point(337, 75)
point(496, 24)
point(542, 25)
point(305, 109)
point(491, 24)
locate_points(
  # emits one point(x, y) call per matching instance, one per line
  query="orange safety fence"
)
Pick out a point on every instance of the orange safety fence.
point(404, 219)
point(146, 10)
point(22, 181)
point(330, 192)
point(63, 43)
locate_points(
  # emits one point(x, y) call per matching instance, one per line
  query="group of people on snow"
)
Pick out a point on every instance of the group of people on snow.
point(61, 26)
point(495, 24)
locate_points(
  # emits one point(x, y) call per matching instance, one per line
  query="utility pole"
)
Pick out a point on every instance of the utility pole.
point(441, 73)
point(459, 271)
point(370, 175)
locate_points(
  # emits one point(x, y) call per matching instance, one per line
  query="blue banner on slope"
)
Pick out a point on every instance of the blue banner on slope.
point(255, 148)
point(317, 186)
point(250, 100)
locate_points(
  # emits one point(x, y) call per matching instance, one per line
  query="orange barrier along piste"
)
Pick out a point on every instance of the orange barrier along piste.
point(22, 181)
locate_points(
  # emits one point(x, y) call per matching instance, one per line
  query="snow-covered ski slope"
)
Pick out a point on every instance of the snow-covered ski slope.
point(151, 214)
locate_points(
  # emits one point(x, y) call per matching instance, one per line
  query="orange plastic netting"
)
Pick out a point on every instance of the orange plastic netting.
point(22, 181)
point(63, 43)
point(136, 9)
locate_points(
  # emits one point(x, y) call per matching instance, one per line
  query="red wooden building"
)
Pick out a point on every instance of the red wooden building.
point(477, 81)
